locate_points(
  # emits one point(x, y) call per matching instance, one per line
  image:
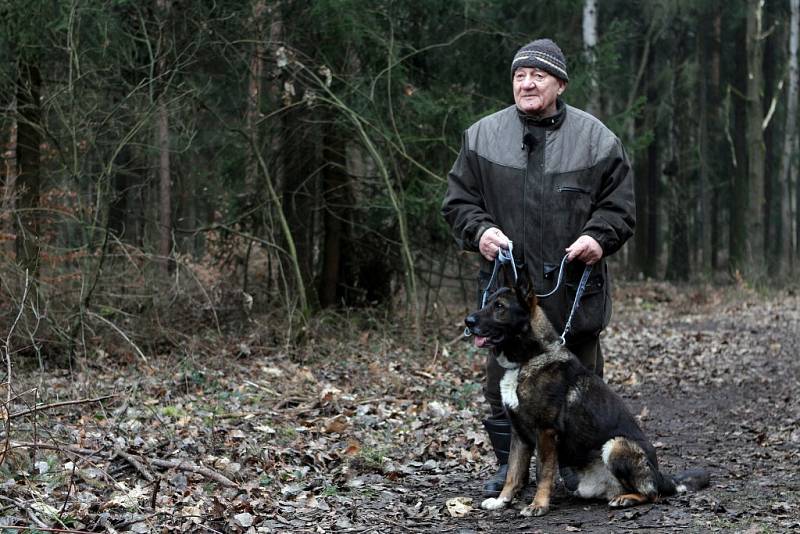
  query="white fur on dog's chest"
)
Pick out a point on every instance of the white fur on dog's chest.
point(508, 388)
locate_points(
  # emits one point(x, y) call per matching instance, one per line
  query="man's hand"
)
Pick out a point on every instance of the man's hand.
point(585, 248)
point(492, 240)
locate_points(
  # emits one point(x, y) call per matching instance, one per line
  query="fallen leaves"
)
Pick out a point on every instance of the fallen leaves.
point(381, 432)
point(459, 506)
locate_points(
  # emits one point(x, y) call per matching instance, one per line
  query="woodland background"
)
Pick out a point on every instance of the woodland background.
point(184, 161)
point(221, 255)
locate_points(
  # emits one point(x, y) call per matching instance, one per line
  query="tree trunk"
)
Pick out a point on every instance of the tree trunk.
point(705, 156)
point(301, 143)
point(254, 89)
point(755, 251)
point(718, 155)
point(164, 177)
point(273, 131)
point(653, 175)
point(740, 185)
point(335, 202)
point(8, 206)
point(679, 207)
point(786, 252)
point(772, 85)
point(641, 175)
point(589, 47)
point(164, 187)
point(28, 179)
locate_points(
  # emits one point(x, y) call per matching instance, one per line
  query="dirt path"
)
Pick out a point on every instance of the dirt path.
point(715, 385)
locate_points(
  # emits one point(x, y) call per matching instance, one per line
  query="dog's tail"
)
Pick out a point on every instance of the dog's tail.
point(689, 480)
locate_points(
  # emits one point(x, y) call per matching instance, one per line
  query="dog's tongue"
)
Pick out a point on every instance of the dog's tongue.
point(480, 341)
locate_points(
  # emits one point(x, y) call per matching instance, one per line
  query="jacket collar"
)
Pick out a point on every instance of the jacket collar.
point(552, 122)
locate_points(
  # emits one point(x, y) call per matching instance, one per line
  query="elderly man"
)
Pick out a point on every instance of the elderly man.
point(553, 180)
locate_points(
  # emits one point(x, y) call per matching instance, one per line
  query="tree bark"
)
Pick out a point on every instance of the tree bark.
point(335, 202)
point(254, 90)
point(28, 179)
point(164, 176)
point(301, 160)
point(8, 206)
point(740, 184)
point(679, 206)
point(786, 250)
point(755, 251)
point(273, 131)
point(716, 138)
point(705, 159)
point(653, 184)
point(641, 175)
point(590, 50)
point(773, 84)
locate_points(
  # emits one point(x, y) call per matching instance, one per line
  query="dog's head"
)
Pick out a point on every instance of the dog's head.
point(505, 316)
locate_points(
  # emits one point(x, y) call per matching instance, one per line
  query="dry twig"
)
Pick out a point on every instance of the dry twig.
point(131, 459)
point(199, 469)
point(7, 351)
point(58, 405)
point(25, 508)
point(164, 464)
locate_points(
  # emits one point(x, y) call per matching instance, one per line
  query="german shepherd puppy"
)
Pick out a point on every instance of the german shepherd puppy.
point(567, 413)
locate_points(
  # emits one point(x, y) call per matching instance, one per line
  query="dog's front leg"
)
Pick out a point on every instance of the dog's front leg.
point(519, 463)
point(546, 473)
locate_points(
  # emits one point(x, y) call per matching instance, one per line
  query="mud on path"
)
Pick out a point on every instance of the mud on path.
point(367, 429)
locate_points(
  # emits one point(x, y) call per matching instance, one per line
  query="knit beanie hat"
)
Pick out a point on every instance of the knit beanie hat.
point(542, 54)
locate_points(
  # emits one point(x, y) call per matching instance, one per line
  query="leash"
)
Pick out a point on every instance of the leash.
point(577, 302)
point(505, 256)
point(578, 294)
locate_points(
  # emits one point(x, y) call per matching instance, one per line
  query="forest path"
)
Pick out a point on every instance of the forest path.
point(363, 428)
point(715, 385)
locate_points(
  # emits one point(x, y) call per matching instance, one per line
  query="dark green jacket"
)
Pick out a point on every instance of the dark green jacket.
point(545, 183)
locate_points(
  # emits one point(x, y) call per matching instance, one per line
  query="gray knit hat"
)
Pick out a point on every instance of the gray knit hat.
point(542, 54)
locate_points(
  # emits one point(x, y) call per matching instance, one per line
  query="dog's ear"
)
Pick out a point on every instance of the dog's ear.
point(526, 294)
point(507, 278)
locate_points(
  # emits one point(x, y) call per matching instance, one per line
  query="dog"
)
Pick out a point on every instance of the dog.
point(574, 421)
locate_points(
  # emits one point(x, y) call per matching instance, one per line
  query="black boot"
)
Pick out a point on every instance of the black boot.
point(499, 431)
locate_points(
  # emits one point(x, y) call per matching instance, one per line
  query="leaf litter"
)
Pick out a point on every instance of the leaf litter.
point(364, 431)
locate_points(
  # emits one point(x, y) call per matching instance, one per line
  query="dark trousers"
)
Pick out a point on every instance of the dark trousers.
point(588, 352)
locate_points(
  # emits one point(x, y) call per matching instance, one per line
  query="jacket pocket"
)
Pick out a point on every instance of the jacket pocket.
point(551, 271)
point(569, 206)
point(572, 189)
point(590, 317)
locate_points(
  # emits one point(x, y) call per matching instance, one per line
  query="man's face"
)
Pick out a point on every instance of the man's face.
point(535, 91)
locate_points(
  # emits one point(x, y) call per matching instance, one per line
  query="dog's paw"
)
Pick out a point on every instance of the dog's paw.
point(623, 501)
point(533, 510)
point(494, 504)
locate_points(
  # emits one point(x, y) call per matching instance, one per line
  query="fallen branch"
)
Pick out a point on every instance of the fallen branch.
point(58, 405)
point(199, 469)
point(131, 459)
point(68, 448)
point(243, 415)
point(121, 333)
point(164, 464)
point(25, 508)
point(48, 529)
